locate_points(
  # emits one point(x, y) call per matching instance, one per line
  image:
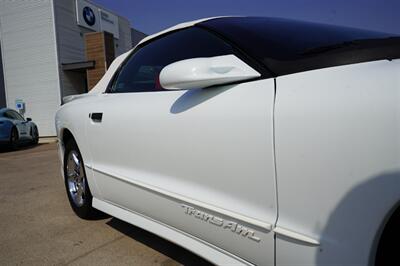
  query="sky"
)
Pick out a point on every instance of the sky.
point(150, 16)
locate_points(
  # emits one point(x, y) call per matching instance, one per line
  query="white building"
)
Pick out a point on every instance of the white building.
point(43, 52)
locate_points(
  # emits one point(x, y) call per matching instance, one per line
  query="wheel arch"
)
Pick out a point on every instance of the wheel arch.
point(66, 135)
point(12, 126)
point(388, 231)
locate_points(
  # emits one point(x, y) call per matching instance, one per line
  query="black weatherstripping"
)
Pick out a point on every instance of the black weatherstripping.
point(288, 46)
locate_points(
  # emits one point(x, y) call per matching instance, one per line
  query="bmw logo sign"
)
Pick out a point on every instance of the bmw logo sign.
point(88, 16)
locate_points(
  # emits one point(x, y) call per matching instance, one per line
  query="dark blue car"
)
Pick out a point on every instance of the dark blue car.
point(14, 129)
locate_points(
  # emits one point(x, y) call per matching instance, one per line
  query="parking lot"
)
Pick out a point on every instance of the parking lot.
point(38, 226)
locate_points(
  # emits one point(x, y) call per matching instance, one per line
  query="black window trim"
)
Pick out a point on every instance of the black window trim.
point(18, 115)
point(243, 55)
point(7, 115)
point(252, 62)
point(21, 118)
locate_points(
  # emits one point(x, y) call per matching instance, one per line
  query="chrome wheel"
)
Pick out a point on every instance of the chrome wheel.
point(76, 178)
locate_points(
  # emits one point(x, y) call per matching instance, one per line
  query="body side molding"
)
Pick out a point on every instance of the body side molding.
point(294, 235)
point(204, 249)
point(180, 198)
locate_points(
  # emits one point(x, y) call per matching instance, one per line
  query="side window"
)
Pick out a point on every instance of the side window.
point(13, 115)
point(9, 115)
point(141, 72)
point(18, 116)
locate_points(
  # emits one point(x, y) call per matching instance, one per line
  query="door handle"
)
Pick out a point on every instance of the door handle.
point(96, 117)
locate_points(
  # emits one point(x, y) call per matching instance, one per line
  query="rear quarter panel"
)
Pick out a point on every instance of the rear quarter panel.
point(338, 160)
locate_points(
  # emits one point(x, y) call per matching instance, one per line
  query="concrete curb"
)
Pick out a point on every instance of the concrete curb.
point(43, 140)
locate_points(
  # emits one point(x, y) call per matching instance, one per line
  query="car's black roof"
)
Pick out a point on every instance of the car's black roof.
point(6, 109)
point(2, 110)
point(287, 46)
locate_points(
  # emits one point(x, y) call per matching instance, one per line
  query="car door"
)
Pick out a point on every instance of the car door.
point(19, 122)
point(23, 123)
point(199, 160)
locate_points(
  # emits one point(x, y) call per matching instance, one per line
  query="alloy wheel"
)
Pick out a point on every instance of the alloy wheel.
point(76, 178)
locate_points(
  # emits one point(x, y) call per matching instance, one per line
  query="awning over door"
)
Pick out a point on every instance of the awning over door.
point(78, 66)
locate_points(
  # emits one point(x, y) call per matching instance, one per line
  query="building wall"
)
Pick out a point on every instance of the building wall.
point(29, 59)
point(136, 36)
point(2, 87)
point(71, 44)
point(100, 49)
point(37, 36)
point(124, 43)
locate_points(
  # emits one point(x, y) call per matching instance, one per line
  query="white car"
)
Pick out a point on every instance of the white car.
point(251, 141)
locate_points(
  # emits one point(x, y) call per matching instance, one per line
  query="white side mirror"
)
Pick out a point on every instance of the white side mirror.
point(199, 73)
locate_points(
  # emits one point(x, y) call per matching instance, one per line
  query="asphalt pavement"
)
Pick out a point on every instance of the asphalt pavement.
point(38, 227)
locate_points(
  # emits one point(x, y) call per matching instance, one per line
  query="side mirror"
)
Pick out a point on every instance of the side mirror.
point(199, 73)
point(28, 119)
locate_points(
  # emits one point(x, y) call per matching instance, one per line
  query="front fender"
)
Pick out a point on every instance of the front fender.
point(31, 125)
point(69, 117)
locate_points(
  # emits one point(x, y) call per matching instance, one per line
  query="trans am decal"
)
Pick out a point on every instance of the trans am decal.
point(225, 224)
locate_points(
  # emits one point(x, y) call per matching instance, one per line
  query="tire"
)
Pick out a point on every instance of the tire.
point(14, 138)
point(35, 135)
point(77, 187)
point(388, 250)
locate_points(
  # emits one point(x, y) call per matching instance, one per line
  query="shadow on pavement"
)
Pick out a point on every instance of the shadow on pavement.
point(159, 244)
point(24, 146)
